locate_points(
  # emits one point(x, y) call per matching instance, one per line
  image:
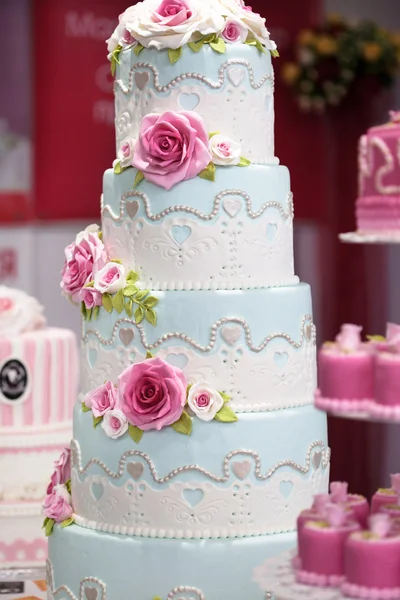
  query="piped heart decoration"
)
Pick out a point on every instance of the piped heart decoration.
point(126, 336)
point(193, 497)
point(135, 470)
point(272, 232)
point(231, 334)
point(286, 488)
point(317, 459)
point(97, 490)
point(189, 101)
point(232, 206)
point(132, 208)
point(236, 75)
point(177, 360)
point(91, 593)
point(241, 468)
point(281, 359)
point(180, 234)
point(92, 356)
point(142, 79)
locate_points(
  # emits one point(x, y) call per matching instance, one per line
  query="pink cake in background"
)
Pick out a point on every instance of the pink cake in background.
point(321, 548)
point(356, 505)
point(38, 387)
point(385, 496)
point(372, 562)
point(346, 372)
point(378, 204)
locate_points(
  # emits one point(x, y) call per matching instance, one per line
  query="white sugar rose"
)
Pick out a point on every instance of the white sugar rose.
point(19, 312)
point(110, 279)
point(256, 26)
point(173, 23)
point(114, 423)
point(121, 36)
point(84, 235)
point(224, 151)
point(204, 401)
point(126, 152)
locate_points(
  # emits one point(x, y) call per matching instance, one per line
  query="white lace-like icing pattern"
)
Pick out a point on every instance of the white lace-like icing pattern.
point(242, 103)
point(197, 509)
point(280, 364)
point(366, 164)
point(166, 252)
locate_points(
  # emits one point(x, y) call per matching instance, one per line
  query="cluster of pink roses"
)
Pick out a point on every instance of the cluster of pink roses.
point(88, 273)
point(57, 506)
point(153, 395)
point(349, 339)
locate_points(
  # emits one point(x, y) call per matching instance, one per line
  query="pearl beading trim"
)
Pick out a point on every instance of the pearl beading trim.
point(76, 459)
point(21, 509)
point(285, 214)
point(306, 324)
point(196, 76)
point(184, 589)
point(82, 588)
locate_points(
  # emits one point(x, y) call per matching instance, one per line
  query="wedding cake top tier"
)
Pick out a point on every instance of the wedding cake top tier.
point(212, 57)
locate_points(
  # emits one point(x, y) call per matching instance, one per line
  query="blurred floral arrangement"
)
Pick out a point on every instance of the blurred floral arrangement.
point(333, 58)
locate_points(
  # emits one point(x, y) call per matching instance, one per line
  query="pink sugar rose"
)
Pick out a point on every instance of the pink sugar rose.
point(320, 503)
point(114, 424)
point(102, 399)
point(62, 470)
point(152, 394)
point(172, 147)
point(393, 333)
point(336, 515)
point(57, 504)
point(110, 279)
point(204, 401)
point(82, 260)
point(91, 297)
point(172, 13)
point(339, 490)
point(380, 525)
point(349, 338)
point(234, 32)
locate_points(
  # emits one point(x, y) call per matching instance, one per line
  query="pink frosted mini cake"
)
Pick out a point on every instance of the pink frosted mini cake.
point(385, 496)
point(372, 562)
point(346, 373)
point(378, 204)
point(356, 505)
point(321, 548)
point(38, 379)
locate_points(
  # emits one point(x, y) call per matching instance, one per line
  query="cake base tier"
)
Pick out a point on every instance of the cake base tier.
point(22, 543)
point(122, 568)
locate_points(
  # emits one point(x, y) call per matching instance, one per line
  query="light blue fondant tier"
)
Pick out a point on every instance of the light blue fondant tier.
point(256, 345)
point(234, 233)
point(232, 92)
point(123, 568)
point(225, 480)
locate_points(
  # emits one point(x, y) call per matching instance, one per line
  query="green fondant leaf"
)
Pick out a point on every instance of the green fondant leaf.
point(115, 59)
point(132, 277)
point(218, 46)
point(174, 55)
point(208, 173)
point(138, 179)
point(244, 162)
point(226, 415)
point(189, 387)
point(68, 486)
point(107, 303)
point(118, 169)
point(130, 290)
point(116, 260)
point(138, 49)
point(129, 308)
point(67, 523)
point(275, 53)
point(225, 397)
point(141, 295)
point(211, 135)
point(376, 338)
point(83, 310)
point(151, 302)
point(49, 527)
point(45, 522)
point(89, 312)
point(157, 598)
point(89, 285)
point(196, 46)
point(97, 421)
point(151, 316)
point(149, 355)
point(96, 311)
point(135, 433)
point(184, 425)
point(85, 409)
point(100, 235)
point(139, 315)
point(118, 302)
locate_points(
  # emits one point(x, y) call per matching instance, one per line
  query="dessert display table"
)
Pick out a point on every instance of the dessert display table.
point(23, 584)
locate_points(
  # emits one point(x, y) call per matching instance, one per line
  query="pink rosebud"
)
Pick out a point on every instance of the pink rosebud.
point(62, 470)
point(392, 333)
point(127, 38)
point(339, 491)
point(102, 399)
point(91, 297)
point(234, 32)
point(172, 13)
point(81, 262)
point(57, 504)
point(320, 503)
point(114, 424)
point(152, 394)
point(204, 401)
point(110, 279)
point(395, 480)
point(380, 525)
point(172, 147)
point(336, 515)
point(349, 338)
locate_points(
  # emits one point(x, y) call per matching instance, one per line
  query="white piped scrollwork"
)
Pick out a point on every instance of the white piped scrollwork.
point(366, 164)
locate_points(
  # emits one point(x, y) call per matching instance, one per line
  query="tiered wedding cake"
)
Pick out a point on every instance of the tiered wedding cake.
point(196, 444)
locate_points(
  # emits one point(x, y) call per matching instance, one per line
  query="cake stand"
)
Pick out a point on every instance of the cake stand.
point(379, 237)
point(23, 584)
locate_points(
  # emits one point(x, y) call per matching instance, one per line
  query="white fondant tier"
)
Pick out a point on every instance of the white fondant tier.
point(232, 92)
point(242, 479)
point(256, 345)
point(22, 543)
point(234, 233)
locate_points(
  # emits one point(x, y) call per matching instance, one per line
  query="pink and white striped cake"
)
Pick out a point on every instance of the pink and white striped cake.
point(38, 388)
point(378, 204)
